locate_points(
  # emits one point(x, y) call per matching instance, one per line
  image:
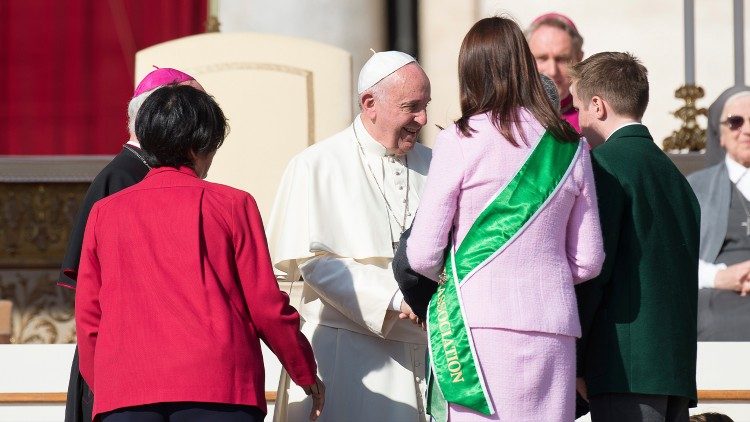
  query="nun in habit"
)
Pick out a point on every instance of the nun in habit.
point(723, 190)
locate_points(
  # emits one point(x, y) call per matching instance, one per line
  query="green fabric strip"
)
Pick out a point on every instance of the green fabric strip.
point(456, 376)
point(513, 208)
point(437, 407)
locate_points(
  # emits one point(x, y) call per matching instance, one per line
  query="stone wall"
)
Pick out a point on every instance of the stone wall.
point(39, 199)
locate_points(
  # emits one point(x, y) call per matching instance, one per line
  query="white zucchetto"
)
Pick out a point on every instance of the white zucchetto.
point(381, 65)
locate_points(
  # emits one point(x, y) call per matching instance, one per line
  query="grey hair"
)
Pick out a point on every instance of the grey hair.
point(133, 106)
point(551, 90)
point(575, 36)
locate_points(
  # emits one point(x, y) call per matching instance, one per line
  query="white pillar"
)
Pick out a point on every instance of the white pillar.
point(689, 28)
point(739, 42)
point(353, 25)
point(439, 44)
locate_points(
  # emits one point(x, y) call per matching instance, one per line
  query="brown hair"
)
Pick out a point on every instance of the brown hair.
point(497, 74)
point(711, 417)
point(619, 78)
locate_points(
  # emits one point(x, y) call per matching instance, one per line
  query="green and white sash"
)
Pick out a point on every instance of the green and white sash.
point(455, 376)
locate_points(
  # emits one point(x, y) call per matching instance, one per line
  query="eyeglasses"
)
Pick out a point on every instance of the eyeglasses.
point(734, 122)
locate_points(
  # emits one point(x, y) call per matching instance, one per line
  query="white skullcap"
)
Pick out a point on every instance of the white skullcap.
point(379, 66)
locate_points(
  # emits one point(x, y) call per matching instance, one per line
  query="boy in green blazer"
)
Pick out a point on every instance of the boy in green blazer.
point(636, 357)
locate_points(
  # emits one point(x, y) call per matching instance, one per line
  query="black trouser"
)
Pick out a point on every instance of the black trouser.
point(185, 412)
point(80, 399)
point(627, 407)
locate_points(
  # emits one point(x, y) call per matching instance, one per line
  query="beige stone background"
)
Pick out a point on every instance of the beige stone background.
point(280, 95)
point(269, 125)
point(652, 30)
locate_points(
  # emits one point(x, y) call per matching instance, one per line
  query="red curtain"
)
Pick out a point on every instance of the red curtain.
point(66, 68)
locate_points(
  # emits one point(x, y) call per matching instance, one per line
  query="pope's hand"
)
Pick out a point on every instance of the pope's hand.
point(406, 312)
point(581, 388)
point(318, 393)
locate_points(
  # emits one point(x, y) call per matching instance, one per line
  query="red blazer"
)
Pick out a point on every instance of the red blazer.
point(175, 289)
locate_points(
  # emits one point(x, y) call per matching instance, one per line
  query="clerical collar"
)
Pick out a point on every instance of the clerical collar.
point(369, 144)
point(566, 104)
point(135, 143)
point(135, 149)
point(736, 170)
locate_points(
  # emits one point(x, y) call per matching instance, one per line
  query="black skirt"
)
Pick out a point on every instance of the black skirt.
point(723, 315)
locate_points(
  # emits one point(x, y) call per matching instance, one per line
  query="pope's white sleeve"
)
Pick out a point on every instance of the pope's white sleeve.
point(362, 292)
point(398, 297)
point(707, 273)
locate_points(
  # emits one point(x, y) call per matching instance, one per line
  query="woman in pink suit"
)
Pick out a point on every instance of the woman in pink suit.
point(512, 184)
point(175, 285)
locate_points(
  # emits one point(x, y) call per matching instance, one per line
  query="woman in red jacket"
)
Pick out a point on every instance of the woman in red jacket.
point(175, 285)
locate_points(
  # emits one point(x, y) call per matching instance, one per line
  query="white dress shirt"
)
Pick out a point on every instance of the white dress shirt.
point(622, 126)
point(738, 175)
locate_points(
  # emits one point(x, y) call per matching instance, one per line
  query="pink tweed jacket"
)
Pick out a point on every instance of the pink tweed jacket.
point(529, 286)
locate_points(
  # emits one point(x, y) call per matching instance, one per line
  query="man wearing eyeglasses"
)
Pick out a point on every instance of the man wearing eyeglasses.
point(723, 191)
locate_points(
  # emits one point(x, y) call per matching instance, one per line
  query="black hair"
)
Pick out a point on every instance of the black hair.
point(177, 119)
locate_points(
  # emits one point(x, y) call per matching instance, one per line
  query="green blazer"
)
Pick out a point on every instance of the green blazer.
point(639, 315)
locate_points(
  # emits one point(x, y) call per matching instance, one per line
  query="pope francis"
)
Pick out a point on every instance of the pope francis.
point(337, 218)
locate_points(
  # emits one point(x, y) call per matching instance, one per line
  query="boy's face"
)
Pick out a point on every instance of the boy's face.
point(587, 118)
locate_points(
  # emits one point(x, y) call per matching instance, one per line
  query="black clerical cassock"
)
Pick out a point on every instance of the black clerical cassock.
point(126, 169)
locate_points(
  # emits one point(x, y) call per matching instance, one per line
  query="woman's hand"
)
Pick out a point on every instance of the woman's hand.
point(318, 393)
point(582, 389)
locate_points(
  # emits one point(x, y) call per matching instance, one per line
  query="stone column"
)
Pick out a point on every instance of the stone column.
point(439, 43)
point(353, 25)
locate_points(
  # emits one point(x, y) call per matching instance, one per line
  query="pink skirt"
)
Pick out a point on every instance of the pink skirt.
point(530, 376)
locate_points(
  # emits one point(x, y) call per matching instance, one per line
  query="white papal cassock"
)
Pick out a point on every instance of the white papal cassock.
point(330, 224)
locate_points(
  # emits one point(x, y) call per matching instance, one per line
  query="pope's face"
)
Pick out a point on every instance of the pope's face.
point(553, 50)
point(736, 139)
point(401, 112)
